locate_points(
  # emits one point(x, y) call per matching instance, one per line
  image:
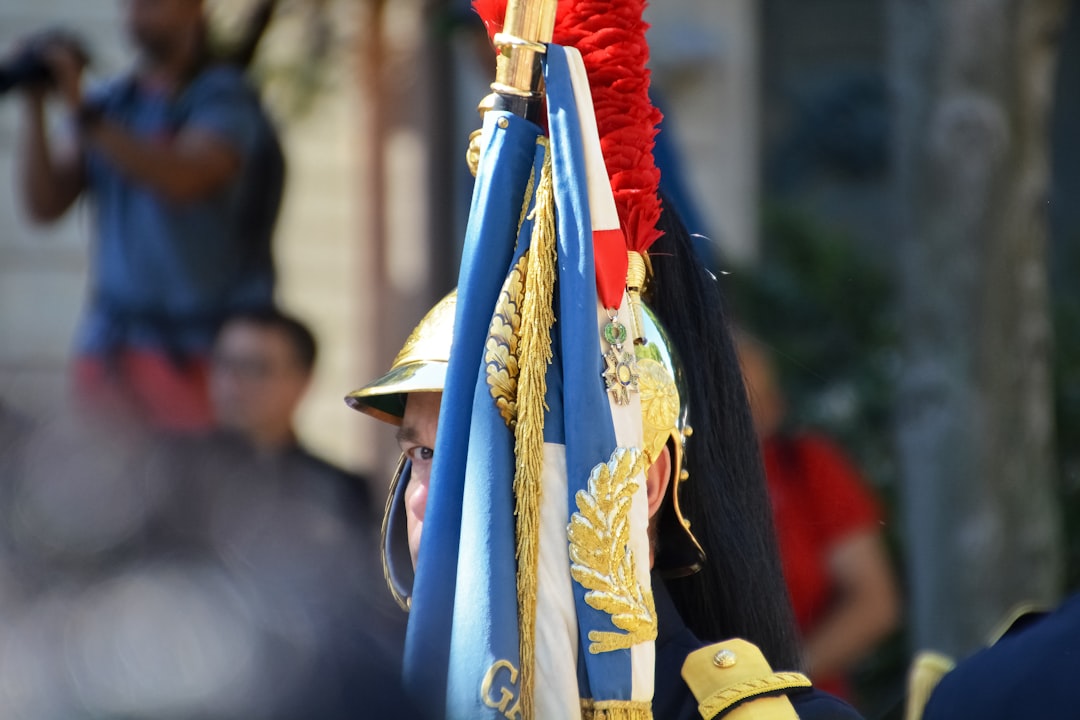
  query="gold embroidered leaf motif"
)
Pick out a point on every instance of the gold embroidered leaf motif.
point(501, 349)
point(601, 559)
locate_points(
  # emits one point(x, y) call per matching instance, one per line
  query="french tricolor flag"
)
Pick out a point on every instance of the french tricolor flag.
point(532, 595)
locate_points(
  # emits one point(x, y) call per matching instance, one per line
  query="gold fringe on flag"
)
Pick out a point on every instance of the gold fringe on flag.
point(534, 355)
point(615, 710)
point(529, 189)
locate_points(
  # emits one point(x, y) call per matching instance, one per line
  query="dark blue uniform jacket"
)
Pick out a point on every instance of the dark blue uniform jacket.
point(1032, 672)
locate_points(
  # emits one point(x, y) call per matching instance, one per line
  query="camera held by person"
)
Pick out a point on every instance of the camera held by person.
point(29, 66)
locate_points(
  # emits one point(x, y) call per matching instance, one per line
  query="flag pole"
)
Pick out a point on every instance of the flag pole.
point(518, 82)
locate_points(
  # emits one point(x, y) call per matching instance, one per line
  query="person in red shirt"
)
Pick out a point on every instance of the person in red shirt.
point(828, 523)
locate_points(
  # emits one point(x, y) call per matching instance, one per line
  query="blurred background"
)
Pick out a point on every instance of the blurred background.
point(885, 188)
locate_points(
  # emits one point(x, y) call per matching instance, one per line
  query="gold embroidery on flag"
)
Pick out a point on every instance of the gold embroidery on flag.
point(502, 676)
point(602, 561)
point(501, 349)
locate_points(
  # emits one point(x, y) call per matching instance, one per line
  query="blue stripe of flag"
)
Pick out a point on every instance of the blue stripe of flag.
point(505, 166)
point(486, 605)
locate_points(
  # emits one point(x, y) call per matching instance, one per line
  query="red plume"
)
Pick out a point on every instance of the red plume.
point(610, 35)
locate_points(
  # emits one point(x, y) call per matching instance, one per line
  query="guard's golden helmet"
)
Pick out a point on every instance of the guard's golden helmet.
point(421, 367)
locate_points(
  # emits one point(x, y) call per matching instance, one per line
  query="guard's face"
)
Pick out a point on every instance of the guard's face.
point(416, 436)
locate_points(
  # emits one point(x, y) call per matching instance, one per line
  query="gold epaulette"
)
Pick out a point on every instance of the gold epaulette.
point(733, 680)
point(926, 672)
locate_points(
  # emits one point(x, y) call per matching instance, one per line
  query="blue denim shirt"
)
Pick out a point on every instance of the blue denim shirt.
point(164, 273)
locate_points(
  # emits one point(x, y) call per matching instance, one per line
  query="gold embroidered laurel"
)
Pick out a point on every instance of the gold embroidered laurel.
point(602, 561)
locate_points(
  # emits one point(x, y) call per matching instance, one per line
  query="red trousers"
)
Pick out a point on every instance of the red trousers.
point(147, 387)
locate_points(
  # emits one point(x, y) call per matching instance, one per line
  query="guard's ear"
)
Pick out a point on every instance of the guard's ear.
point(657, 478)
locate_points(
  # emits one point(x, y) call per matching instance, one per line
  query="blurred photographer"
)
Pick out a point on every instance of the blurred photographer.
point(184, 175)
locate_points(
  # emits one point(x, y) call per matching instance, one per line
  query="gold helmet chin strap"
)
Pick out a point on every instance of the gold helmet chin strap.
point(394, 539)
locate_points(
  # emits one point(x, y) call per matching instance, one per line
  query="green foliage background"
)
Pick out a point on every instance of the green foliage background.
point(828, 310)
point(828, 314)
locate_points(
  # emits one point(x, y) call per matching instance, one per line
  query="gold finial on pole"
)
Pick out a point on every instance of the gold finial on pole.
point(518, 86)
point(528, 25)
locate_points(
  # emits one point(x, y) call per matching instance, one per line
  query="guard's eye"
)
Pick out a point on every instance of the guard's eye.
point(420, 454)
